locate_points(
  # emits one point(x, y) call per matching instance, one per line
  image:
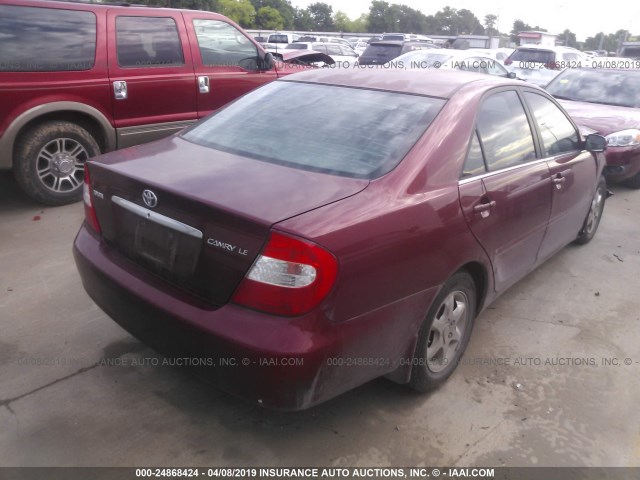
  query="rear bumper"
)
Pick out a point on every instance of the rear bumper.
point(285, 364)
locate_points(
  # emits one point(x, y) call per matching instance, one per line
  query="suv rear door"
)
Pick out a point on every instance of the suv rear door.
point(226, 61)
point(151, 73)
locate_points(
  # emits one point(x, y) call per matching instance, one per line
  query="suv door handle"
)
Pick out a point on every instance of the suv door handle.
point(203, 84)
point(120, 89)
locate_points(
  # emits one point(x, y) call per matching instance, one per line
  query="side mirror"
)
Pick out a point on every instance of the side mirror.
point(512, 75)
point(266, 62)
point(595, 143)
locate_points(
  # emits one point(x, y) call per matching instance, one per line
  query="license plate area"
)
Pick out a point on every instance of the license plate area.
point(156, 244)
point(149, 239)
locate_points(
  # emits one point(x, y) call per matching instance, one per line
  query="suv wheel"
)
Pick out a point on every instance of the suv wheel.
point(50, 161)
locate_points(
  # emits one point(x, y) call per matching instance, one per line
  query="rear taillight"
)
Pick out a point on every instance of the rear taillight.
point(290, 277)
point(89, 210)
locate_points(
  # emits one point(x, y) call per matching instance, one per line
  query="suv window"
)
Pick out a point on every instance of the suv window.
point(558, 134)
point(222, 44)
point(148, 42)
point(46, 39)
point(504, 131)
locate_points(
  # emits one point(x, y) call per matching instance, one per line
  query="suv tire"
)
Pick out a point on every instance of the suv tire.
point(50, 161)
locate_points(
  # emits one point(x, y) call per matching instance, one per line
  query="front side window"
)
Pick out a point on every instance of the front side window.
point(320, 128)
point(46, 40)
point(222, 44)
point(504, 131)
point(148, 42)
point(558, 134)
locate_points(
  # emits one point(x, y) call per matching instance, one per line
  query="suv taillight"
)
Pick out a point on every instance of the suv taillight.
point(89, 210)
point(290, 277)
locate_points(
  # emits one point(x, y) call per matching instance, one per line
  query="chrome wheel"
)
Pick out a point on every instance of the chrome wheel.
point(593, 217)
point(60, 165)
point(447, 331)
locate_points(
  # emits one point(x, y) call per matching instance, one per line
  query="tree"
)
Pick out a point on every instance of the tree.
point(321, 16)
point(342, 22)
point(269, 18)
point(302, 20)
point(240, 11)
point(490, 21)
point(569, 38)
point(284, 8)
point(450, 21)
point(381, 17)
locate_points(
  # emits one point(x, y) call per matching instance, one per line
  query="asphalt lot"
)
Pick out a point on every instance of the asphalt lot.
point(539, 384)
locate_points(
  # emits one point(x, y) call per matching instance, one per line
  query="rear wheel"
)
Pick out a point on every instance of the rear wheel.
point(49, 164)
point(594, 215)
point(445, 333)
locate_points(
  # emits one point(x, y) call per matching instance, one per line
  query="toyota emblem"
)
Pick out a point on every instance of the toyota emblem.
point(149, 198)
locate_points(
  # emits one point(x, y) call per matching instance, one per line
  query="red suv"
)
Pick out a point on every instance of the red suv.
point(77, 80)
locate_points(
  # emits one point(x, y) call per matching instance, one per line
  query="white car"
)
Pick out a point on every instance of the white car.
point(499, 54)
point(467, 60)
point(555, 58)
point(343, 55)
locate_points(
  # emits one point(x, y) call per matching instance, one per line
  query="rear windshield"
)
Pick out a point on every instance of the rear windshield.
point(609, 87)
point(342, 131)
point(538, 56)
point(296, 46)
point(278, 39)
point(45, 40)
point(382, 51)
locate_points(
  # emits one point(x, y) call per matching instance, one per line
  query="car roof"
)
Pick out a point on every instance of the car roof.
point(438, 83)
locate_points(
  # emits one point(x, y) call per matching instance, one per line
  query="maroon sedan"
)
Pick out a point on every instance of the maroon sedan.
point(606, 102)
point(336, 226)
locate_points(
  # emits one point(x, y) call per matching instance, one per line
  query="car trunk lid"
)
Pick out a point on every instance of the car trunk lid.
point(212, 213)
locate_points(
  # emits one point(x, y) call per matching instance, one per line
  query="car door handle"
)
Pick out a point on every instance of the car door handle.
point(203, 84)
point(483, 207)
point(558, 180)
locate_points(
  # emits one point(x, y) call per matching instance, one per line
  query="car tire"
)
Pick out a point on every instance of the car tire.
point(591, 222)
point(49, 163)
point(445, 333)
point(633, 182)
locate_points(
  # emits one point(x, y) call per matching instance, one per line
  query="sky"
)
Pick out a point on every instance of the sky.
point(585, 19)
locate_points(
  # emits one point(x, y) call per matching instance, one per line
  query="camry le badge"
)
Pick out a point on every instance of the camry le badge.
point(149, 198)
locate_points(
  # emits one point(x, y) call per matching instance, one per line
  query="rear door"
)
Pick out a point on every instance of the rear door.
point(226, 61)
point(573, 172)
point(151, 73)
point(505, 190)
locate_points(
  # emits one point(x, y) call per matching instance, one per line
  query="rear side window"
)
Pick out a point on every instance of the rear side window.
point(148, 42)
point(504, 131)
point(558, 134)
point(46, 40)
point(474, 164)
